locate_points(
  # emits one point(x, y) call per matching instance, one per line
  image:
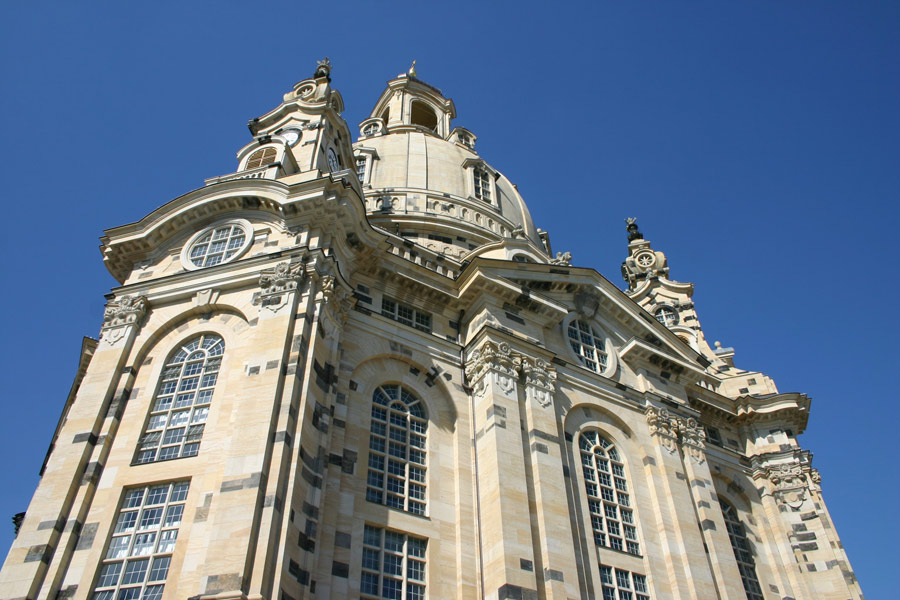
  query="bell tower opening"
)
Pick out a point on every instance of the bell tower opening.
point(423, 115)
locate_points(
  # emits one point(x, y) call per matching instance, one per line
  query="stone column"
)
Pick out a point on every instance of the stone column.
point(504, 527)
point(554, 552)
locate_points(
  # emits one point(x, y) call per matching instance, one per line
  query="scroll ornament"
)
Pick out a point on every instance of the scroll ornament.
point(671, 429)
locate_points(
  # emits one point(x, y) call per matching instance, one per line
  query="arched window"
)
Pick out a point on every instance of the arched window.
point(588, 345)
point(612, 517)
point(397, 449)
point(181, 404)
point(666, 315)
point(742, 552)
point(422, 114)
point(261, 158)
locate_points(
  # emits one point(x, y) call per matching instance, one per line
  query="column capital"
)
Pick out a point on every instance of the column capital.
point(121, 316)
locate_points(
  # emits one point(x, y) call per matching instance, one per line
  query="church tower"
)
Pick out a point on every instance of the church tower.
point(356, 370)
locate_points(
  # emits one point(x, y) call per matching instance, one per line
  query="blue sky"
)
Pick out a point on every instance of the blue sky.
point(757, 143)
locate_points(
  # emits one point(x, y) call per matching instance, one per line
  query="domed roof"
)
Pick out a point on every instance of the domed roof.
point(424, 179)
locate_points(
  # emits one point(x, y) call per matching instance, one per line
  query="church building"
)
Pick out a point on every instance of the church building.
point(358, 370)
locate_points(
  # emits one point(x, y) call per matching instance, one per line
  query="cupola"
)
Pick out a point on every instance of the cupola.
point(408, 103)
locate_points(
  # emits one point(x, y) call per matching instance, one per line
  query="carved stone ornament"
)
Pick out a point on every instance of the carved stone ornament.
point(540, 380)
point(562, 259)
point(586, 303)
point(119, 315)
point(789, 485)
point(693, 440)
point(663, 426)
point(338, 299)
point(492, 359)
point(126, 310)
point(277, 282)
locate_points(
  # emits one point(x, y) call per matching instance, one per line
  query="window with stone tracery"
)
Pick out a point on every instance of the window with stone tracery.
point(181, 404)
point(396, 475)
point(742, 553)
point(609, 503)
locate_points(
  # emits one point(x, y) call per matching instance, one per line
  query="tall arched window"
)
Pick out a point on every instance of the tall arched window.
point(588, 345)
point(181, 404)
point(742, 552)
point(397, 449)
point(612, 516)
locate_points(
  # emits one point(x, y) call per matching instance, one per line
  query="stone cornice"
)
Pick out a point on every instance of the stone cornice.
point(790, 408)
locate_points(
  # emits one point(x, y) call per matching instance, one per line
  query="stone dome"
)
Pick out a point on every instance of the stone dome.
point(424, 180)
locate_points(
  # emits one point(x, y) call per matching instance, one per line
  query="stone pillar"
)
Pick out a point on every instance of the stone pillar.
point(554, 553)
point(504, 527)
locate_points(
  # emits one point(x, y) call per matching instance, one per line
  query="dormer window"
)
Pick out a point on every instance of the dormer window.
point(370, 129)
point(482, 184)
point(361, 167)
point(261, 158)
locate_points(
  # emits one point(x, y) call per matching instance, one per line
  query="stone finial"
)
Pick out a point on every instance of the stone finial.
point(323, 69)
point(412, 70)
point(631, 226)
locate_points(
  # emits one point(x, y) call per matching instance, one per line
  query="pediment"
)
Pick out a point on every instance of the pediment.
point(558, 290)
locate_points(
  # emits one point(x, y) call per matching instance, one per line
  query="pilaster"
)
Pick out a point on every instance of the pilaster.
point(554, 552)
point(505, 536)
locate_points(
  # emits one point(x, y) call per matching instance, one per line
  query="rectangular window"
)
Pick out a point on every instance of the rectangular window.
point(619, 584)
point(393, 565)
point(361, 163)
point(403, 313)
point(137, 559)
point(482, 184)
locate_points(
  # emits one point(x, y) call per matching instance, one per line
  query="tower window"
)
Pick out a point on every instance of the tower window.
point(181, 405)
point(396, 475)
point(393, 565)
point(609, 503)
point(666, 315)
point(137, 559)
point(261, 158)
point(423, 115)
point(218, 245)
point(588, 345)
point(742, 553)
point(482, 184)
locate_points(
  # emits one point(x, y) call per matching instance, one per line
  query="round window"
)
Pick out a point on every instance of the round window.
point(216, 245)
